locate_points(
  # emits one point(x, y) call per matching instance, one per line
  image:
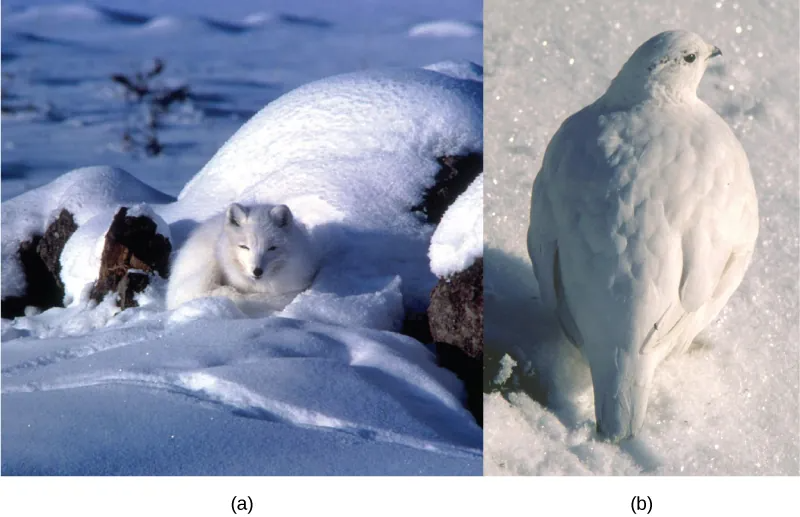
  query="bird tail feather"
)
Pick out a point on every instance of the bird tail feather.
point(622, 387)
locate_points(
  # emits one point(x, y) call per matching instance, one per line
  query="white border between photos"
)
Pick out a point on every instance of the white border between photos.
point(406, 497)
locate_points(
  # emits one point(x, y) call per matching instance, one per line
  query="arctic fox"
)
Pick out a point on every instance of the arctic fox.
point(258, 256)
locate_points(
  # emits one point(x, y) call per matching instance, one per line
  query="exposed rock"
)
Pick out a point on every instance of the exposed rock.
point(40, 258)
point(456, 324)
point(455, 175)
point(131, 244)
point(52, 244)
point(456, 310)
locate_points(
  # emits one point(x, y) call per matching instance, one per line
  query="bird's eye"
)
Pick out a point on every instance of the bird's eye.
point(243, 247)
point(689, 58)
point(272, 248)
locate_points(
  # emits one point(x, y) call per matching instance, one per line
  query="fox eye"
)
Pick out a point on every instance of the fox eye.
point(689, 58)
point(244, 247)
point(272, 248)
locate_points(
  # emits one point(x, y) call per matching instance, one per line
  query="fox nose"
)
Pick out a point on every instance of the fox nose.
point(257, 272)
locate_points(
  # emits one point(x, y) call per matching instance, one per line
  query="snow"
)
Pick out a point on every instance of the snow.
point(81, 257)
point(74, 320)
point(375, 302)
point(458, 69)
point(235, 57)
point(444, 29)
point(458, 240)
point(730, 405)
point(423, 115)
point(55, 14)
point(326, 386)
point(507, 365)
point(232, 397)
point(215, 307)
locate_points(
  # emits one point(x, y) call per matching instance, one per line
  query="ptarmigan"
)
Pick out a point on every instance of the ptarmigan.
point(643, 221)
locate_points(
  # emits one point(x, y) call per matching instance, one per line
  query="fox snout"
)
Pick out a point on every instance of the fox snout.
point(253, 266)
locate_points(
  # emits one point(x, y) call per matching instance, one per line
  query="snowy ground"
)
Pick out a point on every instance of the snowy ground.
point(731, 405)
point(234, 56)
point(325, 387)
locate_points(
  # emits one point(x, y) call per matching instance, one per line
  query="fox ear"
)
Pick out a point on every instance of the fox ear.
point(236, 214)
point(281, 215)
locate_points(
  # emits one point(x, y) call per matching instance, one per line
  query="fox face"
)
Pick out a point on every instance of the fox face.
point(258, 238)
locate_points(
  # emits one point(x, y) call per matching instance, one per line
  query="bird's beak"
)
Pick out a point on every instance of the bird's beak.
point(715, 52)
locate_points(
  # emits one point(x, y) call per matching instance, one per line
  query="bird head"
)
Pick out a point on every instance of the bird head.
point(668, 66)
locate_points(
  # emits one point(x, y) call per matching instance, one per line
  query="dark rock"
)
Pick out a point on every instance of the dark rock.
point(131, 243)
point(454, 177)
point(40, 258)
point(456, 310)
point(52, 244)
point(456, 325)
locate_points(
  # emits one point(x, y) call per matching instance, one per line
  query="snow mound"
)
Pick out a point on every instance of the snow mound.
point(444, 29)
point(55, 13)
point(171, 24)
point(458, 240)
point(258, 19)
point(350, 155)
point(186, 26)
point(84, 192)
point(422, 115)
point(458, 69)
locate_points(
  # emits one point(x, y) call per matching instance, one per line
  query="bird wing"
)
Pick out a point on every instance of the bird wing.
point(542, 239)
point(718, 237)
point(543, 230)
point(719, 244)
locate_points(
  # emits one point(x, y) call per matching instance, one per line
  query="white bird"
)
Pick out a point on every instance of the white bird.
point(643, 221)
